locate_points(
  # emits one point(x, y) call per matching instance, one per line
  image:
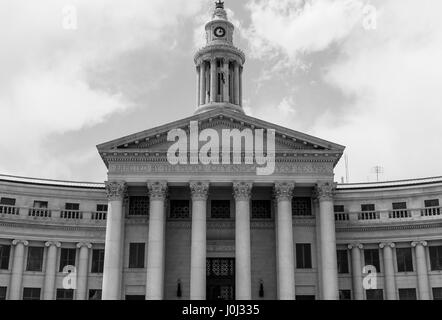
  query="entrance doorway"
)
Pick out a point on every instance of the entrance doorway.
point(220, 282)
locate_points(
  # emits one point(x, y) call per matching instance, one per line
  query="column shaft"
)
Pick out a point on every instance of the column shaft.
point(356, 270)
point(198, 76)
point(286, 264)
point(156, 241)
point(243, 282)
point(226, 81)
point(390, 283)
point(236, 83)
point(203, 83)
point(15, 287)
point(112, 270)
point(51, 269)
point(422, 271)
point(213, 79)
point(82, 272)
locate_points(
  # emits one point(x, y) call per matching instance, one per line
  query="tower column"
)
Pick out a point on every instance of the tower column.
point(226, 81)
point(284, 234)
point(15, 287)
point(156, 240)
point(202, 82)
point(199, 191)
point(243, 282)
point(82, 274)
point(213, 77)
point(112, 270)
point(240, 85)
point(356, 270)
point(236, 83)
point(422, 270)
point(51, 269)
point(198, 77)
point(329, 268)
point(390, 284)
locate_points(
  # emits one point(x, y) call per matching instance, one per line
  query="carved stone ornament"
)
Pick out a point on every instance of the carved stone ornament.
point(17, 241)
point(284, 190)
point(157, 190)
point(84, 244)
point(324, 190)
point(385, 244)
point(53, 243)
point(355, 245)
point(199, 190)
point(242, 190)
point(416, 243)
point(115, 190)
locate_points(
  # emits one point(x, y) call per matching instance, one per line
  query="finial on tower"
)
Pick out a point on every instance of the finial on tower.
point(219, 4)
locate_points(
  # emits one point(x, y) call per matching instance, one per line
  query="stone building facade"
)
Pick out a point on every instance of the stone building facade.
point(218, 230)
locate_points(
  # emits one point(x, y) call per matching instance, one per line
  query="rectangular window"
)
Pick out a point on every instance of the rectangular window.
point(367, 207)
point(404, 260)
point(431, 203)
point(344, 294)
point(65, 294)
point(136, 255)
point(371, 257)
point(7, 201)
point(40, 204)
point(31, 293)
point(35, 259)
point(179, 209)
point(338, 208)
point(261, 209)
point(139, 206)
point(399, 205)
point(5, 251)
point(342, 256)
point(97, 260)
point(3, 293)
point(301, 206)
point(72, 206)
point(437, 293)
point(101, 207)
point(303, 256)
point(407, 294)
point(67, 257)
point(220, 209)
point(435, 257)
point(375, 294)
point(95, 294)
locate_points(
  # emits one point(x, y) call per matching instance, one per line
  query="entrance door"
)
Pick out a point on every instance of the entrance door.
point(220, 282)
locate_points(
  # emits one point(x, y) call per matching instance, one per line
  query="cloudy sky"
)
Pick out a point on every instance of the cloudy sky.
point(337, 69)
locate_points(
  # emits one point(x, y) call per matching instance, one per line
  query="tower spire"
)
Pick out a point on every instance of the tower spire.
point(219, 66)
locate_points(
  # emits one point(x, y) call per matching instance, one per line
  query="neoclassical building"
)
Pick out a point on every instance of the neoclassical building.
point(214, 228)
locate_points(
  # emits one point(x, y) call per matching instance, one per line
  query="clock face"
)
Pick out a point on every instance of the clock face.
point(219, 32)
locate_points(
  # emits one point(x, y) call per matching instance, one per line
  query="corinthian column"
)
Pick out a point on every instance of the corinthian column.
point(390, 284)
point(199, 191)
point(242, 193)
point(113, 253)
point(156, 240)
point(51, 269)
point(284, 234)
point(329, 268)
point(356, 270)
point(422, 270)
point(15, 286)
point(82, 274)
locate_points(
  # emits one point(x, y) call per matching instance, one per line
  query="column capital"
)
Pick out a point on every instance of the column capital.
point(157, 190)
point(422, 243)
point(284, 190)
point(355, 245)
point(115, 190)
point(17, 241)
point(242, 190)
point(53, 243)
point(324, 190)
point(84, 244)
point(199, 189)
point(386, 244)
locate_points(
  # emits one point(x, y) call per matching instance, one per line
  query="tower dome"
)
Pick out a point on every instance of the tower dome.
point(219, 66)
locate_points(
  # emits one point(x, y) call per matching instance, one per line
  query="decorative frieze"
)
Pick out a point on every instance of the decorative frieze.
point(199, 190)
point(242, 190)
point(324, 190)
point(284, 191)
point(115, 190)
point(157, 190)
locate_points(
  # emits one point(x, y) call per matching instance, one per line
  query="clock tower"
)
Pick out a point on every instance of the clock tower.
point(219, 66)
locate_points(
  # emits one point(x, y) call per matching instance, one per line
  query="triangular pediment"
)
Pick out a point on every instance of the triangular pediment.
point(155, 139)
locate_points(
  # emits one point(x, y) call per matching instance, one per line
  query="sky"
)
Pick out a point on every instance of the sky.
point(363, 74)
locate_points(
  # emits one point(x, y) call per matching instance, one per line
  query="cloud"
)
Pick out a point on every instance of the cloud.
point(45, 85)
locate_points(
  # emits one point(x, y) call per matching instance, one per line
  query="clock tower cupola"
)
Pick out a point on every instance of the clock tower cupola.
point(219, 66)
